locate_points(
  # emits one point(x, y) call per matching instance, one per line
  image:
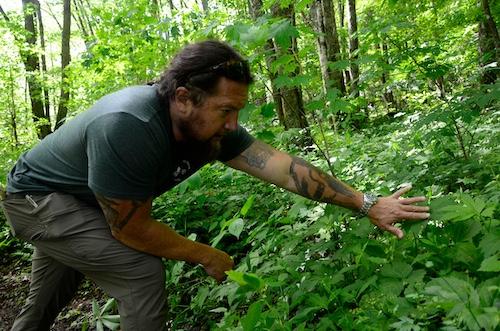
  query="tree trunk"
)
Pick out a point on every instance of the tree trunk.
point(13, 106)
point(46, 101)
point(171, 6)
point(155, 8)
point(290, 97)
point(270, 56)
point(489, 43)
point(85, 17)
point(204, 5)
point(65, 59)
point(343, 43)
point(353, 47)
point(388, 95)
point(80, 24)
point(323, 20)
point(32, 65)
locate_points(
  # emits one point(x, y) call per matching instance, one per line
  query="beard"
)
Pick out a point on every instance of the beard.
point(201, 151)
point(206, 151)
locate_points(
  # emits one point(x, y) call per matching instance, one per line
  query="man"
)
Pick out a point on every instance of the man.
point(83, 195)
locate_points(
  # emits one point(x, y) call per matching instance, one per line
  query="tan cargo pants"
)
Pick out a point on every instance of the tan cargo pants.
point(72, 240)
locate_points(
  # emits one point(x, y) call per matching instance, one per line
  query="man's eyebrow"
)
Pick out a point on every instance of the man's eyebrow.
point(230, 106)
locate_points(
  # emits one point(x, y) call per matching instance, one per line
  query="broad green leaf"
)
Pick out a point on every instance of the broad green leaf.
point(245, 279)
point(236, 227)
point(194, 180)
point(489, 245)
point(244, 113)
point(112, 322)
point(490, 264)
point(248, 204)
point(268, 110)
point(304, 314)
point(200, 297)
point(109, 305)
point(95, 309)
point(397, 269)
point(252, 317)
point(253, 280)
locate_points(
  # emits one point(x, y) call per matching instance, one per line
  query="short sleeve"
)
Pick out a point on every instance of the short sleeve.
point(123, 160)
point(235, 143)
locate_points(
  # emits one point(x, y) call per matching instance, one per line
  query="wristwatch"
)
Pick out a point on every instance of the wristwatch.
point(369, 199)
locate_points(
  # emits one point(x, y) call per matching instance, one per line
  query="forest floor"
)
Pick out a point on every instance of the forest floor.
point(14, 286)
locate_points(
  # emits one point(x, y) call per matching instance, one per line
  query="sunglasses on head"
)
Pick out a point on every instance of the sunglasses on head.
point(232, 69)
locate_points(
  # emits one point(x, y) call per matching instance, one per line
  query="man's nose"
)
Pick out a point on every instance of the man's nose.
point(231, 121)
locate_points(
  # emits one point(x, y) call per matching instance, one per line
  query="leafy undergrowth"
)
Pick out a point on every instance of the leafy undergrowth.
point(302, 265)
point(307, 266)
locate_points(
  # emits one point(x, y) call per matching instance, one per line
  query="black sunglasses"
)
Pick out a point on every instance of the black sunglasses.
point(232, 69)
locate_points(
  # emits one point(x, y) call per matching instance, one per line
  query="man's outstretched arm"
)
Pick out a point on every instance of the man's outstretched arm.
point(298, 176)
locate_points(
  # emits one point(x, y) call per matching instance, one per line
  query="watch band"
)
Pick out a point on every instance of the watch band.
point(369, 199)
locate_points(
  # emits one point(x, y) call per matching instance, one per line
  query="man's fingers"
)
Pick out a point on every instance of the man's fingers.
point(408, 201)
point(395, 231)
point(415, 216)
point(401, 191)
point(412, 208)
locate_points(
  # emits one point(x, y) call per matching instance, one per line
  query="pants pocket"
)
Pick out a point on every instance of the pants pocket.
point(22, 224)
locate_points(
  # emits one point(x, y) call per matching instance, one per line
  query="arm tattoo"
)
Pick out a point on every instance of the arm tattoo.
point(111, 211)
point(318, 177)
point(257, 155)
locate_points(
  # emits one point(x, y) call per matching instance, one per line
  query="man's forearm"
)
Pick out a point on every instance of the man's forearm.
point(313, 183)
point(159, 239)
point(131, 224)
point(296, 175)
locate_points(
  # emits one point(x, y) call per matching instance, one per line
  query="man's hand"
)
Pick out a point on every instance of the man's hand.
point(392, 209)
point(217, 264)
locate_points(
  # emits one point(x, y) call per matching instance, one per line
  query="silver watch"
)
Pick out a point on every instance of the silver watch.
point(369, 199)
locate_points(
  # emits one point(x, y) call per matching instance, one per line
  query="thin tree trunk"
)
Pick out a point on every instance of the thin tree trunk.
point(80, 24)
point(290, 97)
point(388, 94)
point(4, 14)
point(171, 6)
point(332, 42)
point(46, 101)
point(270, 56)
point(319, 27)
point(343, 42)
point(32, 65)
point(489, 43)
point(13, 112)
point(65, 59)
point(353, 47)
point(155, 8)
point(54, 17)
point(85, 17)
point(204, 5)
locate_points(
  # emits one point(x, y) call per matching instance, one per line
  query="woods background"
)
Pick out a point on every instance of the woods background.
point(378, 92)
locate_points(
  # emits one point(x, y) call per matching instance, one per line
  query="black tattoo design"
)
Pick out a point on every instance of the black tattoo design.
point(112, 214)
point(257, 155)
point(321, 179)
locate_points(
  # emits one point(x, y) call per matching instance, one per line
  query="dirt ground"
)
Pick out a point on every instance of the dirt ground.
point(14, 285)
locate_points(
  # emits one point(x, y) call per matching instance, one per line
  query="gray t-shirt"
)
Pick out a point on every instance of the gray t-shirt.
point(122, 147)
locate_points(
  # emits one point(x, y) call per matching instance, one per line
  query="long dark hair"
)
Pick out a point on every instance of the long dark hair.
point(199, 66)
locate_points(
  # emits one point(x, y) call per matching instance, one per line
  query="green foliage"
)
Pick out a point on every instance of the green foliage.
point(300, 265)
point(103, 317)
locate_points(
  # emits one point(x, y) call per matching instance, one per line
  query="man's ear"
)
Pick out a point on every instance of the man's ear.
point(182, 100)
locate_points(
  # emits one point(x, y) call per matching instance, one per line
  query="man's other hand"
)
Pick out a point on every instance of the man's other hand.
point(217, 264)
